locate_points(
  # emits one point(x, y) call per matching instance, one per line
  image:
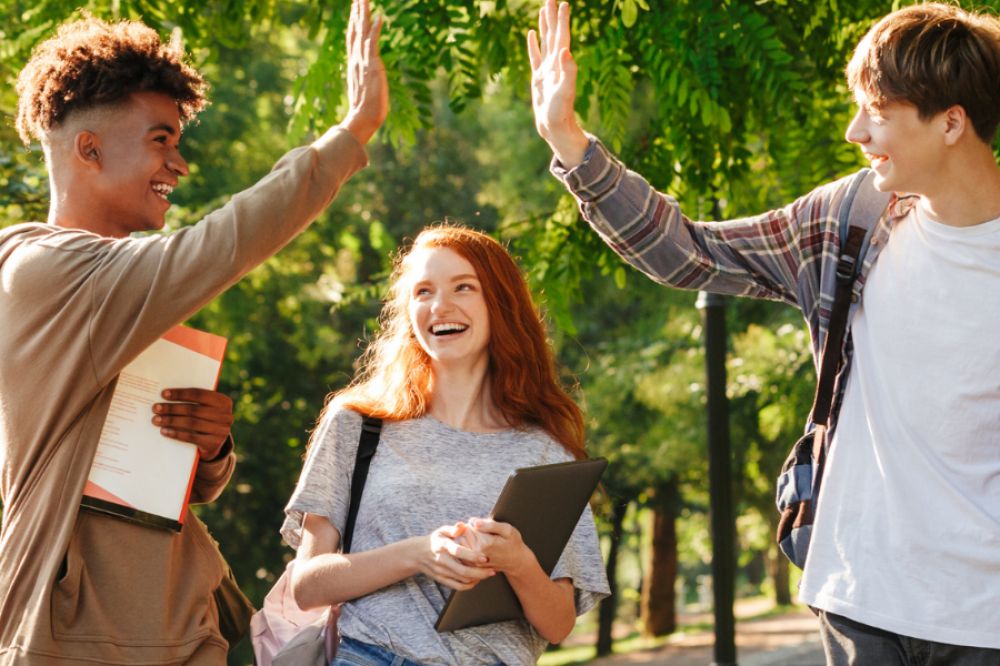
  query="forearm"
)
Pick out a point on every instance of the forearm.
point(754, 256)
point(548, 604)
point(147, 286)
point(331, 578)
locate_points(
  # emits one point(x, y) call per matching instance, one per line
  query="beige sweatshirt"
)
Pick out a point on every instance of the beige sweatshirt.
point(75, 308)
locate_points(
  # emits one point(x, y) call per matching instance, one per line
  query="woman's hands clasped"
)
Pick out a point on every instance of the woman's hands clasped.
point(451, 559)
point(463, 554)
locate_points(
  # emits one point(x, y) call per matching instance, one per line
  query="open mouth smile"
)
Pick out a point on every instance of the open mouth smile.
point(876, 160)
point(162, 190)
point(448, 328)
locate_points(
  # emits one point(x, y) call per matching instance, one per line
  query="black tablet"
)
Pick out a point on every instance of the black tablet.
point(544, 503)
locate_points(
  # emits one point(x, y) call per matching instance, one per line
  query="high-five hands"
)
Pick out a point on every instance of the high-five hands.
point(367, 88)
point(553, 84)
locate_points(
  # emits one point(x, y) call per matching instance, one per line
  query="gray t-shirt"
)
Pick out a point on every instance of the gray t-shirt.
point(426, 474)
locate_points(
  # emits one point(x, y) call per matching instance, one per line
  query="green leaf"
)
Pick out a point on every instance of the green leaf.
point(620, 277)
point(630, 12)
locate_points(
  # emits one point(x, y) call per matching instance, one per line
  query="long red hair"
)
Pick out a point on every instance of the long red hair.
point(394, 382)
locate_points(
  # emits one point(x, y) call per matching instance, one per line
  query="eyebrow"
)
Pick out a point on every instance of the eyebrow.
point(457, 278)
point(162, 127)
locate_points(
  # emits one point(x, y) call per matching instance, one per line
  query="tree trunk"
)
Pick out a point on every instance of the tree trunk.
point(659, 599)
point(778, 565)
point(609, 605)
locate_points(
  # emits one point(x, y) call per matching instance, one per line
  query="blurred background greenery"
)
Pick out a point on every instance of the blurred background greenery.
point(731, 106)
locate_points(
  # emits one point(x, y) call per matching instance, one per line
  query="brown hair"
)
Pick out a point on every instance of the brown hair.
point(90, 63)
point(395, 379)
point(933, 56)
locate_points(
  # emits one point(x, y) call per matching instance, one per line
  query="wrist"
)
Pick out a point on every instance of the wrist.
point(223, 450)
point(361, 129)
point(414, 552)
point(524, 567)
point(569, 145)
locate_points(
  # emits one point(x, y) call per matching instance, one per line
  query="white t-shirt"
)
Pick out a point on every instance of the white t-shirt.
point(907, 534)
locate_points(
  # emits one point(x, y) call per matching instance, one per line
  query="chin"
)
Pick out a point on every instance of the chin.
point(885, 183)
point(881, 184)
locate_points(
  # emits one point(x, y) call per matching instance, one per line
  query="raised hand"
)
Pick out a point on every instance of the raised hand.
point(198, 416)
point(367, 88)
point(553, 84)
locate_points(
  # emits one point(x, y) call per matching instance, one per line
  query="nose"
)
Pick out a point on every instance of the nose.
point(177, 164)
point(441, 303)
point(857, 130)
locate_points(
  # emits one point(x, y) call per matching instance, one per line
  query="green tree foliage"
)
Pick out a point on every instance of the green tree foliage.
point(731, 106)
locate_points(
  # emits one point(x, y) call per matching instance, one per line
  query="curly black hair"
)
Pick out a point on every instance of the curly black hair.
point(90, 62)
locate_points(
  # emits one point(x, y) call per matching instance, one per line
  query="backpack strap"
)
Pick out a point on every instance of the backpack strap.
point(371, 430)
point(860, 211)
point(862, 206)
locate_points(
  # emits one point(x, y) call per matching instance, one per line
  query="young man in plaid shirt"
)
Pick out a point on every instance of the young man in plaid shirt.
point(904, 563)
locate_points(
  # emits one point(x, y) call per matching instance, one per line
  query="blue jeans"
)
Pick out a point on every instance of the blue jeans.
point(356, 653)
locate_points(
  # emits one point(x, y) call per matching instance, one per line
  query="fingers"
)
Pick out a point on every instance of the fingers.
point(373, 47)
point(543, 31)
point(352, 26)
point(452, 531)
point(465, 554)
point(366, 17)
point(199, 396)
point(204, 423)
point(452, 539)
point(534, 55)
point(204, 418)
point(551, 18)
point(489, 526)
point(562, 26)
point(450, 569)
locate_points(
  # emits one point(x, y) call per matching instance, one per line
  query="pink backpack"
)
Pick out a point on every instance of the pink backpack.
point(283, 633)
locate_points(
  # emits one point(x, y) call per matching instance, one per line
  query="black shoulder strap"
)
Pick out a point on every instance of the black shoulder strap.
point(860, 211)
point(371, 430)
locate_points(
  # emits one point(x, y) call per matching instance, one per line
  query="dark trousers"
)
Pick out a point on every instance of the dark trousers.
point(850, 643)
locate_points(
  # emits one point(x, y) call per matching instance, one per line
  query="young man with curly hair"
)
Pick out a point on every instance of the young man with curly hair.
point(904, 560)
point(81, 298)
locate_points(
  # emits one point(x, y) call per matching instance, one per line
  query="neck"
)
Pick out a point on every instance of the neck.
point(969, 192)
point(72, 206)
point(461, 398)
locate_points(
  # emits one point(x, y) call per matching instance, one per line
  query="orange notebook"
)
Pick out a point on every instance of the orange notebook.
point(137, 473)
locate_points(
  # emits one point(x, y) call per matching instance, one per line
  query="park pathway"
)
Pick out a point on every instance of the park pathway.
point(788, 639)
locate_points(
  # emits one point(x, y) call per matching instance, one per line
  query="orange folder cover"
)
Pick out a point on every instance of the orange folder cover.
point(137, 473)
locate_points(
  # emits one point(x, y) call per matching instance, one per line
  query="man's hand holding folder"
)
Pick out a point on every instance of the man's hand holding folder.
point(200, 416)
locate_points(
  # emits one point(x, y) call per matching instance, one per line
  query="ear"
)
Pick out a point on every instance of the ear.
point(956, 124)
point(87, 149)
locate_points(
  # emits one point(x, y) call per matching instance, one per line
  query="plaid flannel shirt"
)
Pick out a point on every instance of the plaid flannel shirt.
point(789, 254)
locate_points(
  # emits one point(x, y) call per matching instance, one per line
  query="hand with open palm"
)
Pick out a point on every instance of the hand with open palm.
point(553, 84)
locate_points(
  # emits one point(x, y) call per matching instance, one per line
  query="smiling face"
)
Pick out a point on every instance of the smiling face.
point(905, 151)
point(136, 163)
point(447, 310)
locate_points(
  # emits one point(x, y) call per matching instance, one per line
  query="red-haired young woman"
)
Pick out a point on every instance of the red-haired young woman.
point(465, 380)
